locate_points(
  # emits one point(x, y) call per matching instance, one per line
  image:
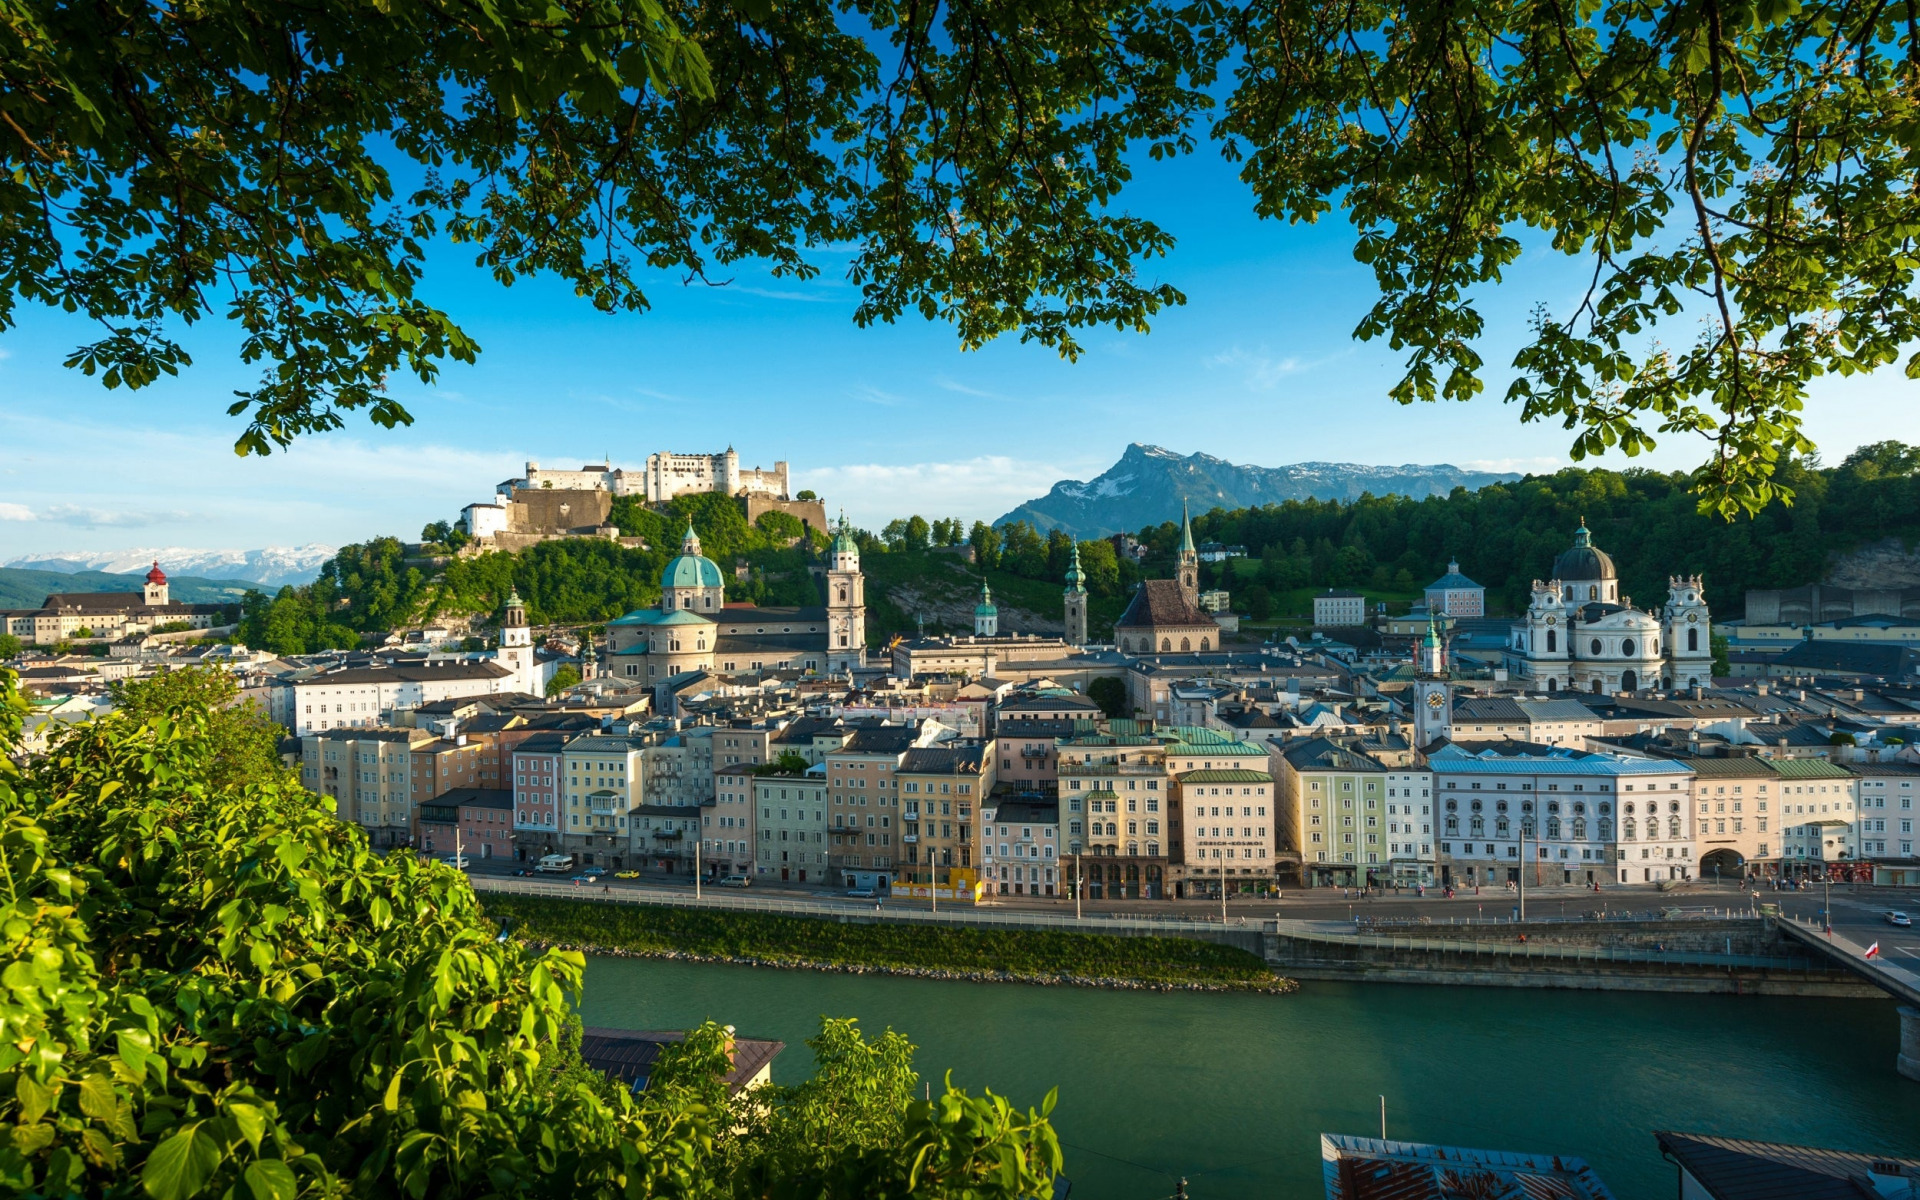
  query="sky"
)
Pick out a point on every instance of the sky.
point(1258, 367)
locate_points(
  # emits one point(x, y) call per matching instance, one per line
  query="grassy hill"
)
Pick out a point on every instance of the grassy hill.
point(24, 588)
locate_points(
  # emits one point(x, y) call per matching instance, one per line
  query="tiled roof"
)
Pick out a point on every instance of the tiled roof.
point(1589, 764)
point(1161, 602)
point(627, 1056)
point(1320, 754)
point(1226, 777)
point(929, 760)
point(1735, 1169)
point(428, 673)
point(1809, 768)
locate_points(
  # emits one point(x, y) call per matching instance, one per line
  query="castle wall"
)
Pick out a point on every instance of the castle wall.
point(558, 510)
point(812, 513)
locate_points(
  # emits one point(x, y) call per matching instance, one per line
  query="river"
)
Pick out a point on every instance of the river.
point(1233, 1091)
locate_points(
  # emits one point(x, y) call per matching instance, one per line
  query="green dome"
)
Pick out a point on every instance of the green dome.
point(985, 608)
point(691, 571)
point(843, 542)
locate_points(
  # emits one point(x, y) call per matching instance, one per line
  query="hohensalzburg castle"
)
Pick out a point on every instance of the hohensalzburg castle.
point(666, 476)
point(545, 503)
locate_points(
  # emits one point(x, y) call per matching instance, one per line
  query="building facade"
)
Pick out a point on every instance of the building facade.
point(1456, 595)
point(1020, 845)
point(791, 828)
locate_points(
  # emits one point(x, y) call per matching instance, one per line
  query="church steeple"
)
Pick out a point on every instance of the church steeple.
point(690, 544)
point(1187, 562)
point(1074, 600)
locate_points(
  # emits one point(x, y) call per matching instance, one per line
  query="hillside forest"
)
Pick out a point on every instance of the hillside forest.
point(1504, 536)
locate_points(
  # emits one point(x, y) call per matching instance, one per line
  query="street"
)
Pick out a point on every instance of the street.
point(1859, 911)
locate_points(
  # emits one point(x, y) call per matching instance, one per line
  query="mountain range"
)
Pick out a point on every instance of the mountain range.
point(1148, 484)
point(21, 588)
point(270, 566)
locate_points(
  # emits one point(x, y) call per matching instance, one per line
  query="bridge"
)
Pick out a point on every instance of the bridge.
point(1903, 985)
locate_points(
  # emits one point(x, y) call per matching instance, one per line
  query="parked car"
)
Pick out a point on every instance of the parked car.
point(862, 893)
point(626, 874)
point(458, 861)
point(555, 864)
point(594, 872)
point(1899, 918)
point(583, 877)
point(736, 881)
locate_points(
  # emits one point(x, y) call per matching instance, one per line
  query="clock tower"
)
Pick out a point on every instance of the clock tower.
point(1432, 691)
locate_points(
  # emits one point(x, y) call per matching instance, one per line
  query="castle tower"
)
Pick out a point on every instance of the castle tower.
point(1187, 562)
point(846, 603)
point(1432, 690)
point(986, 617)
point(155, 592)
point(1074, 601)
point(516, 644)
point(1686, 634)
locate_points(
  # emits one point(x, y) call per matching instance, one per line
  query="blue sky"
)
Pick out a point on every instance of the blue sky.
point(1258, 367)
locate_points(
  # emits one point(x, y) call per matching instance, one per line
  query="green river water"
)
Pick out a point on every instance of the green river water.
point(1233, 1091)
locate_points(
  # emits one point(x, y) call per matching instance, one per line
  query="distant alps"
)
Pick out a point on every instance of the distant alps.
point(269, 566)
point(1148, 484)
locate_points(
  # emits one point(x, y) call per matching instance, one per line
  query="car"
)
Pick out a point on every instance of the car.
point(626, 874)
point(522, 871)
point(736, 881)
point(862, 893)
point(1901, 919)
point(594, 872)
point(458, 861)
point(583, 877)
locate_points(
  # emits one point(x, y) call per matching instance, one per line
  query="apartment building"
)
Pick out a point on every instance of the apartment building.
point(864, 803)
point(538, 767)
point(1020, 845)
point(476, 822)
point(1116, 792)
point(791, 825)
point(727, 827)
point(1228, 821)
point(602, 787)
point(367, 772)
point(1819, 805)
point(1333, 807)
point(1887, 793)
point(940, 791)
point(364, 697)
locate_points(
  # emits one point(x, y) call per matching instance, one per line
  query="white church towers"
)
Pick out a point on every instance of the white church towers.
point(846, 603)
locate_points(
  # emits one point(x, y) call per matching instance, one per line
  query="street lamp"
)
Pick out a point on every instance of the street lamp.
point(1079, 884)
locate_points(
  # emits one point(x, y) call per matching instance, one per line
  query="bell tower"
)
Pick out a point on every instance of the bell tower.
point(986, 615)
point(1686, 631)
point(846, 603)
point(1187, 562)
point(516, 644)
point(1074, 601)
point(1432, 691)
point(155, 593)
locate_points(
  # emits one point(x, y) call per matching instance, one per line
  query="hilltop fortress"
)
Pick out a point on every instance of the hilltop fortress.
point(544, 503)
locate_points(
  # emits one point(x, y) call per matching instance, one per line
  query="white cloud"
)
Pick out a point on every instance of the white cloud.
point(15, 512)
point(973, 489)
point(1261, 371)
point(107, 518)
point(1523, 466)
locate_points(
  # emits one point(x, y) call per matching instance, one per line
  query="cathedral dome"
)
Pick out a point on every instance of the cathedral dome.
point(689, 568)
point(1583, 561)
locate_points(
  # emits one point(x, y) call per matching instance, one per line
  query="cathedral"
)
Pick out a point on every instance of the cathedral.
point(1581, 634)
point(695, 629)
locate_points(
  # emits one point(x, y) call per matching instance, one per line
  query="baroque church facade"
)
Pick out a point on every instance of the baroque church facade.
point(694, 629)
point(1581, 634)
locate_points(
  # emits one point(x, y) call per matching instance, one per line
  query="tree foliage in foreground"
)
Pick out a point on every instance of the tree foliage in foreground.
point(213, 989)
point(1740, 172)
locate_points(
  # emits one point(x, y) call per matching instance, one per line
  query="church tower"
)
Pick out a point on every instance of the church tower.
point(589, 663)
point(1074, 600)
point(846, 603)
point(986, 617)
point(1432, 691)
point(156, 590)
point(516, 644)
point(1687, 629)
point(1187, 562)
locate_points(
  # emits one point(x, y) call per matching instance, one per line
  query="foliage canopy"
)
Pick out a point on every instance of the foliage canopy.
point(214, 989)
point(1744, 164)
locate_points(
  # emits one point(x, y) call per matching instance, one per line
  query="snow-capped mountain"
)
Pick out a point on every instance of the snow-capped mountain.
point(1148, 483)
point(270, 566)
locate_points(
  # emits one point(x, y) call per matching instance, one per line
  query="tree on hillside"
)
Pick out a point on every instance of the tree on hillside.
point(985, 540)
point(564, 677)
point(1740, 174)
point(1110, 693)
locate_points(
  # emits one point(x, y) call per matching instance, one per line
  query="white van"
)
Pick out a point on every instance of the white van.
point(555, 864)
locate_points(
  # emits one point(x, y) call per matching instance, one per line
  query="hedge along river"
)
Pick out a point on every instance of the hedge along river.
point(1232, 1091)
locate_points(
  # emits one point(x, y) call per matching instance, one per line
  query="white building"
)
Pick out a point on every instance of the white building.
point(1410, 839)
point(1586, 817)
point(365, 697)
point(791, 825)
point(1338, 608)
point(1456, 595)
point(1581, 634)
point(1887, 794)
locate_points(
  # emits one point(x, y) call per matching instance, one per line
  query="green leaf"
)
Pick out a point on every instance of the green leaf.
point(271, 1179)
point(97, 1098)
point(180, 1166)
point(252, 1121)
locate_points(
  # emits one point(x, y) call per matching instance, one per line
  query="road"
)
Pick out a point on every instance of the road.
point(1859, 912)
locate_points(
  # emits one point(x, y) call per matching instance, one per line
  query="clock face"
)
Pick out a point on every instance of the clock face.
point(1435, 700)
point(1553, 620)
point(1693, 618)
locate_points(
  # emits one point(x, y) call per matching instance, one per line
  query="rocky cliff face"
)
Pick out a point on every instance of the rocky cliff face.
point(1887, 563)
point(1148, 483)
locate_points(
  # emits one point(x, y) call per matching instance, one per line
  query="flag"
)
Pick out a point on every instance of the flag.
point(1873, 951)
